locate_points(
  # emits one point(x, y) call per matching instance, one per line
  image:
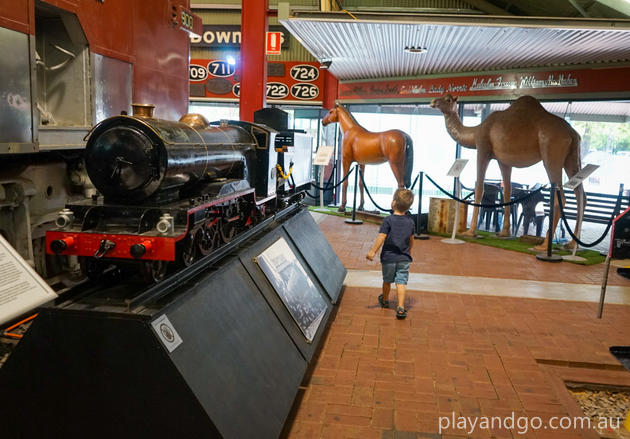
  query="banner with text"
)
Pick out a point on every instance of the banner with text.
point(502, 85)
point(296, 82)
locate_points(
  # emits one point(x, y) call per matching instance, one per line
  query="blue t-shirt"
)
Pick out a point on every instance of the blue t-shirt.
point(398, 229)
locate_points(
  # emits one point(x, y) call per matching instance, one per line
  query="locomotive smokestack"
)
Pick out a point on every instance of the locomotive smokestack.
point(143, 110)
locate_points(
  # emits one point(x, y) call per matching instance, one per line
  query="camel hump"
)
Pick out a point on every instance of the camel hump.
point(527, 101)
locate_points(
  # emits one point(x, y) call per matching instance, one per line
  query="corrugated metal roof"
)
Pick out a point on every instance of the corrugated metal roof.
point(373, 45)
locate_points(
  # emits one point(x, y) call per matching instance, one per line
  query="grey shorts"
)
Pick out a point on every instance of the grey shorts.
point(397, 272)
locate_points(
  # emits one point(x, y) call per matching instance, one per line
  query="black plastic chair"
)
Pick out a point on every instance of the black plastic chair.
point(528, 214)
point(491, 215)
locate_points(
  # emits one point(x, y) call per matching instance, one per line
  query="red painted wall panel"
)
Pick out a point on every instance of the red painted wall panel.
point(16, 15)
point(109, 27)
point(139, 32)
point(161, 65)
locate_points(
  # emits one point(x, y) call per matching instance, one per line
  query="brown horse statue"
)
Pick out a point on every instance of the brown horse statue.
point(520, 136)
point(365, 147)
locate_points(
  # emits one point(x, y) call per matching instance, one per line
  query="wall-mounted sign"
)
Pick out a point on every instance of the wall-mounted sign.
point(304, 72)
point(188, 21)
point(229, 35)
point(505, 85)
point(273, 43)
point(304, 91)
point(296, 82)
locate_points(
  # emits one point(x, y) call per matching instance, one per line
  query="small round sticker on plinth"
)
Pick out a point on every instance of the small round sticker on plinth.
point(166, 332)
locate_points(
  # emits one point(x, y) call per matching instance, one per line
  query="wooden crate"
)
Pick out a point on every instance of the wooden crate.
point(442, 215)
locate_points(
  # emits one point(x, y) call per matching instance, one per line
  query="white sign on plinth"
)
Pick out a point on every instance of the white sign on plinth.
point(578, 178)
point(571, 184)
point(322, 159)
point(455, 171)
point(457, 168)
point(21, 288)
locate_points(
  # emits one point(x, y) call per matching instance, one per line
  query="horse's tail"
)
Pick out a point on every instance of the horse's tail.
point(408, 159)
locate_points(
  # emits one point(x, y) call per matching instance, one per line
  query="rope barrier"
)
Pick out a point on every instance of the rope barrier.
point(601, 238)
point(489, 206)
point(370, 196)
point(327, 186)
point(414, 182)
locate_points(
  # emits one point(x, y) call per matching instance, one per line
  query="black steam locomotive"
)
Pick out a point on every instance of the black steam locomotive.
point(175, 191)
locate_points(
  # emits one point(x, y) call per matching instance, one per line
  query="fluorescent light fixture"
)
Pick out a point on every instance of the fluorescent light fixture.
point(415, 49)
point(325, 64)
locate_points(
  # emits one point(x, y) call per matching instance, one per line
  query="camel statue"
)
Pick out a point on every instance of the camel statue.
point(520, 136)
point(365, 147)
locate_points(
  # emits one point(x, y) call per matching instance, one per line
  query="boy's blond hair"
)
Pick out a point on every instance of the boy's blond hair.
point(403, 199)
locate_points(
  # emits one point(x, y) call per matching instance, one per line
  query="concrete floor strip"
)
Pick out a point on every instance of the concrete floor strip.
point(495, 287)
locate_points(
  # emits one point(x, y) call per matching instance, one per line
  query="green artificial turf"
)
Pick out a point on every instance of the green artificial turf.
point(486, 238)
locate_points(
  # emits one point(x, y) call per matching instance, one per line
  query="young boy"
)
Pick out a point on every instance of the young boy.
point(396, 233)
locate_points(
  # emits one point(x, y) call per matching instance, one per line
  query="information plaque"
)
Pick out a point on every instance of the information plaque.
point(297, 291)
point(21, 288)
point(578, 178)
point(457, 168)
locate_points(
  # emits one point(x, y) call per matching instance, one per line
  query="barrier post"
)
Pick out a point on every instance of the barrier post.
point(602, 295)
point(354, 219)
point(549, 257)
point(419, 234)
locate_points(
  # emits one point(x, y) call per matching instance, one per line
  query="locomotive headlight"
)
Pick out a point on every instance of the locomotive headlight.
point(65, 219)
point(165, 224)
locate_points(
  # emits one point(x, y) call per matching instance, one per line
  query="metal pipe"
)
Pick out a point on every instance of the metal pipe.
point(604, 284)
point(354, 201)
point(552, 212)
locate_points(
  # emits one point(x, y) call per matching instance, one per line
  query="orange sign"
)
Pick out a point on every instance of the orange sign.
point(274, 40)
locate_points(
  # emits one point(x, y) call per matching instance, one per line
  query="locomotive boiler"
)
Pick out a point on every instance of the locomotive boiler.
point(171, 191)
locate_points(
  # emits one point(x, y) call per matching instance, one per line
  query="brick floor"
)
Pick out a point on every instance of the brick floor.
point(434, 257)
point(455, 355)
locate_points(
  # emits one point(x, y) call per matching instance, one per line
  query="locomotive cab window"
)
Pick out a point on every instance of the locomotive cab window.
point(62, 60)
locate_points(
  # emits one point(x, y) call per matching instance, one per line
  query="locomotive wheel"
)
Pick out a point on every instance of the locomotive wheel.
point(188, 250)
point(228, 230)
point(230, 223)
point(209, 237)
point(154, 271)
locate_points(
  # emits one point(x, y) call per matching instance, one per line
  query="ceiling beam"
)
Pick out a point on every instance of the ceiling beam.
point(487, 7)
point(621, 6)
point(579, 8)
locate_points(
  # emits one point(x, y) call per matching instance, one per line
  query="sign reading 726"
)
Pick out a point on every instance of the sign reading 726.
point(304, 91)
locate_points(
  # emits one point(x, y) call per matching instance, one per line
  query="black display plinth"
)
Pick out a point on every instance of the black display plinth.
point(218, 357)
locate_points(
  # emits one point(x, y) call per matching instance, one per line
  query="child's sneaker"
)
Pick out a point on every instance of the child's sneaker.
point(401, 312)
point(384, 303)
